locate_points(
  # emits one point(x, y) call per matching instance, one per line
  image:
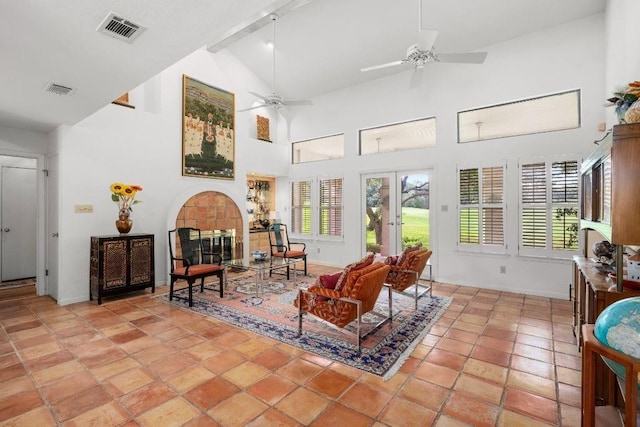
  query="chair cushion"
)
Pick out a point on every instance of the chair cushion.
point(289, 254)
point(196, 270)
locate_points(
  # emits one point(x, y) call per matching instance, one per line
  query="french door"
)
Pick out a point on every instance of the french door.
point(396, 211)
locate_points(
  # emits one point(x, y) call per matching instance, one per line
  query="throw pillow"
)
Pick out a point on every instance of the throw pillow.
point(408, 249)
point(367, 260)
point(329, 281)
point(391, 260)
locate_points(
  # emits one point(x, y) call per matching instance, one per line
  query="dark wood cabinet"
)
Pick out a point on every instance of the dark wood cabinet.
point(121, 264)
point(625, 169)
point(609, 177)
point(593, 293)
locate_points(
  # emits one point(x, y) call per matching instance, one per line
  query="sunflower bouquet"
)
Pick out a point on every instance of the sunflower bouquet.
point(124, 195)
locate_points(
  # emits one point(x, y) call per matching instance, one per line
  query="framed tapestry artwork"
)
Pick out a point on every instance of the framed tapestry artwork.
point(262, 124)
point(208, 130)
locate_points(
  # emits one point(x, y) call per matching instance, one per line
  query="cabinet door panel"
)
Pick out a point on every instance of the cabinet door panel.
point(625, 157)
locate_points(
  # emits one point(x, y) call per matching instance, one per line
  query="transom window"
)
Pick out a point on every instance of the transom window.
point(399, 137)
point(317, 149)
point(547, 113)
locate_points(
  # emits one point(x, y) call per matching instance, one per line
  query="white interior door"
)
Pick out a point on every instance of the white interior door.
point(396, 211)
point(52, 226)
point(19, 218)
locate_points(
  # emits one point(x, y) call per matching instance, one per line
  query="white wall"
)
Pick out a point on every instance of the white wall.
point(143, 146)
point(623, 56)
point(570, 56)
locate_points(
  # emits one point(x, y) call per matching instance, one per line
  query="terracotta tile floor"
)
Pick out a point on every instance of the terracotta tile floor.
point(494, 358)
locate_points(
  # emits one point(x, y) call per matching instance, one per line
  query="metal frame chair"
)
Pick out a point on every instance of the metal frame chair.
point(196, 264)
point(408, 274)
point(341, 307)
point(281, 247)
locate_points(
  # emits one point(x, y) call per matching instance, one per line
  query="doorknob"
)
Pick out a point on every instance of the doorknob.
point(390, 223)
point(6, 230)
point(54, 234)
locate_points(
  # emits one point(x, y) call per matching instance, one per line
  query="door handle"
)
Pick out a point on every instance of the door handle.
point(6, 230)
point(54, 234)
point(390, 223)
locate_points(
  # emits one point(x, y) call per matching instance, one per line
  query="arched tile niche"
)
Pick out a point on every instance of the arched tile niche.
point(219, 219)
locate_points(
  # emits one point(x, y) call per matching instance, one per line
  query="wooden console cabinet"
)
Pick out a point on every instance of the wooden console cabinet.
point(121, 264)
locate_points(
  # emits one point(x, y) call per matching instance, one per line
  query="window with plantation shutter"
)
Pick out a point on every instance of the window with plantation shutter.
point(549, 208)
point(492, 205)
point(330, 214)
point(481, 210)
point(469, 206)
point(301, 207)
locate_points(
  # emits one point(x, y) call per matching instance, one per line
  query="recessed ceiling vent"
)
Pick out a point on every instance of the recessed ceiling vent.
point(120, 28)
point(58, 89)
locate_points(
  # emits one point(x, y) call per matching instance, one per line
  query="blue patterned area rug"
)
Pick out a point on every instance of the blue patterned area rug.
point(271, 313)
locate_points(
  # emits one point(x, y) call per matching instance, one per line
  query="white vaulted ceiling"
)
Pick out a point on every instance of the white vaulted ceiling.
point(322, 44)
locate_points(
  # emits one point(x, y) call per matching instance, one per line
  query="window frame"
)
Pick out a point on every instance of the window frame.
point(293, 208)
point(388, 127)
point(515, 102)
point(548, 252)
point(481, 205)
point(315, 140)
point(314, 209)
point(330, 206)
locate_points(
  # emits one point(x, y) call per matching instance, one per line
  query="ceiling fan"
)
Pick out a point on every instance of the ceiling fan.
point(275, 101)
point(420, 54)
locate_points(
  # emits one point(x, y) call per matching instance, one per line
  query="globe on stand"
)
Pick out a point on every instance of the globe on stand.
point(618, 327)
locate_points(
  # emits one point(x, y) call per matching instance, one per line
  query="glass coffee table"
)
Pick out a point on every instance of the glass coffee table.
point(262, 268)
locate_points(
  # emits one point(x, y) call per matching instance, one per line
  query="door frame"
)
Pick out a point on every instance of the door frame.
point(430, 171)
point(41, 284)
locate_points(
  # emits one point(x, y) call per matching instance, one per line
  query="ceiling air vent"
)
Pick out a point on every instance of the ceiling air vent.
point(120, 28)
point(58, 89)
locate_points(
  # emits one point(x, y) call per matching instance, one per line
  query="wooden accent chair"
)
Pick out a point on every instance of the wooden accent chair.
point(190, 262)
point(406, 270)
point(282, 247)
point(354, 296)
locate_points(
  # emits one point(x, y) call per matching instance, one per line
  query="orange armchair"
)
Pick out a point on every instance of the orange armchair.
point(356, 296)
point(406, 270)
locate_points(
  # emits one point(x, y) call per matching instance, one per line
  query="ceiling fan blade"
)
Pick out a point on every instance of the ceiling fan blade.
point(257, 95)
point(416, 78)
point(389, 64)
point(426, 39)
point(298, 102)
point(469, 57)
point(252, 108)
